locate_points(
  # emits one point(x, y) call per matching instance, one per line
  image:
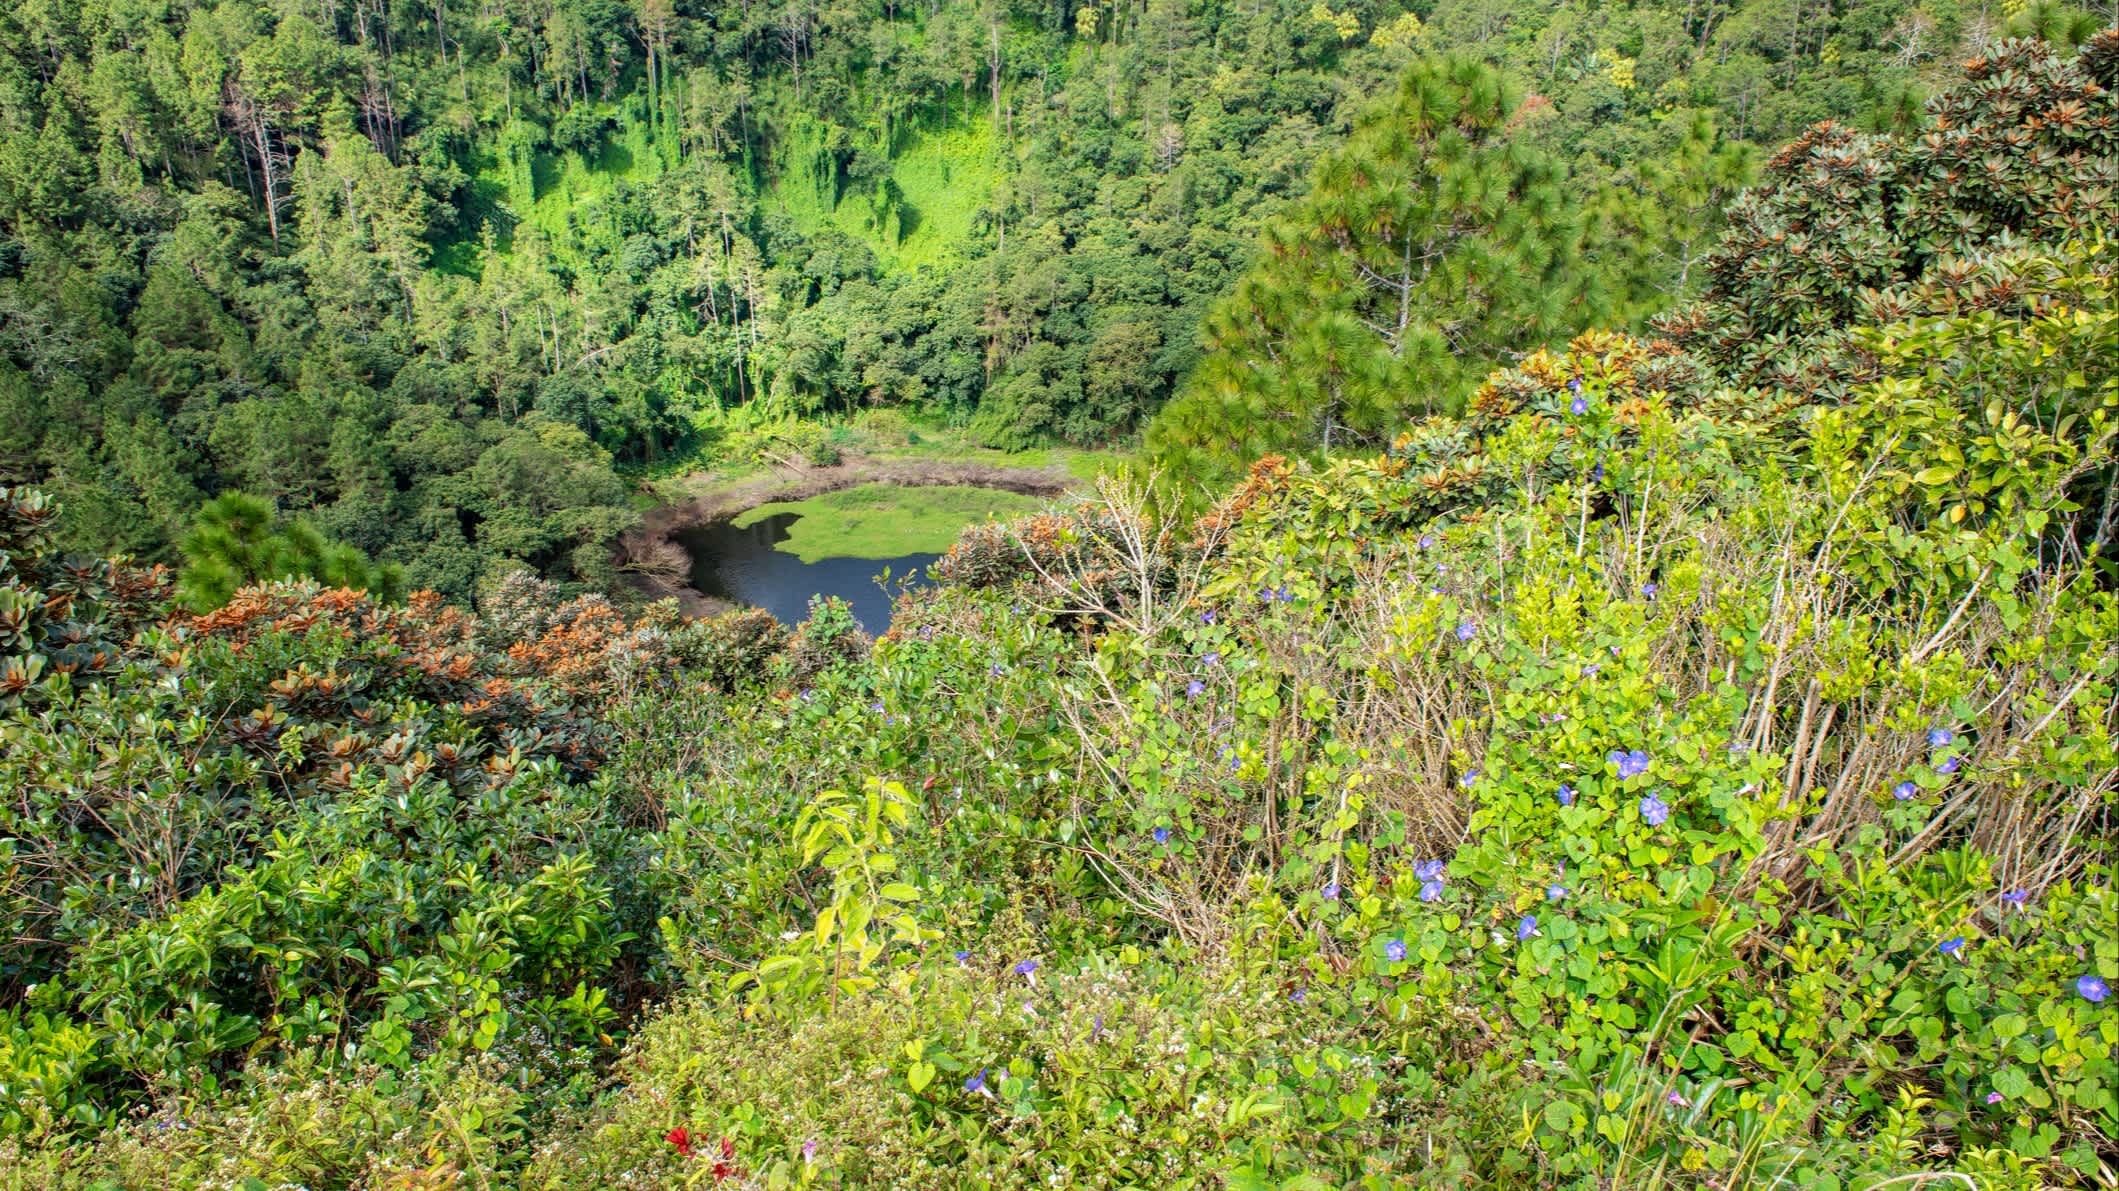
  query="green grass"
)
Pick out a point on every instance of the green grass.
point(887, 521)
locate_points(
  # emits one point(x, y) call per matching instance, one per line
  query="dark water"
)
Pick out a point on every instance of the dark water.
point(741, 565)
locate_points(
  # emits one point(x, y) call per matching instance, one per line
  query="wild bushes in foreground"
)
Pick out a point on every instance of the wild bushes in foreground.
point(1774, 803)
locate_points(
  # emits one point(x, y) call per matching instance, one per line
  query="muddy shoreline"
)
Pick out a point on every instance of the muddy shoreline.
point(658, 526)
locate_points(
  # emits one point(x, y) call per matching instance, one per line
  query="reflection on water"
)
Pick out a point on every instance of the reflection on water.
point(741, 565)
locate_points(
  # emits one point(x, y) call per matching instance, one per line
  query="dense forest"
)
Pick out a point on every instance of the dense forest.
point(428, 275)
point(1596, 667)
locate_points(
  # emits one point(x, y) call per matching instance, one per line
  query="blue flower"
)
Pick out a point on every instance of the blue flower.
point(2017, 897)
point(1207, 617)
point(1195, 688)
point(1468, 779)
point(1426, 540)
point(1655, 810)
point(1590, 671)
point(1947, 765)
point(2093, 988)
point(963, 957)
point(1574, 384)
point(1526, 928)
point(1213, 658)
point(1026, 967)
point(1331, 891)
point(1162, 835)
point(1567, 795)
point(1394, 951)
point(1467, 631)
point(876, 707)
point(1631, 764)
point(1599, 473)
point(1649, 590)
point(1299, 996)
point(1951, 946)
point(1430, 870)
point(1555, 893)
point(1904, 791)
point(1940, 737)
point(1431, 891)
point(1579, 406)
point(996, 669)
point(976, 1083)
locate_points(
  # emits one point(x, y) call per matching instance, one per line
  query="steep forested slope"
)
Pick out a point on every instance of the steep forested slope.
point(425, 271)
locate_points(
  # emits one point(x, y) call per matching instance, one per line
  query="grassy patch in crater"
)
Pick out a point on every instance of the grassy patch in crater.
point(887, 520)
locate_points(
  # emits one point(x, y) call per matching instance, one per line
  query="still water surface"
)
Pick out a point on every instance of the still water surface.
point(742, 565)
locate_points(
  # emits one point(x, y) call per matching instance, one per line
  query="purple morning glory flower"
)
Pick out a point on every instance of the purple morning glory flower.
point(1527, 928)
point(1026, 967)
point(1599, 473)
point(1426, 540)
point(1649, 590)
point(1947, 765)
point(976, 1083)
point(1212, 658)
point(1429, 870)
point(1940, 737)
point(1162, 835)
point(963, 957)
point(1467, 631)
point(1394, 951)
point(1567, 795)
point(1953, 946)
point(2017, 897)
point(1676, 1100)
point(1207, 617)
point(1993, 1097)
point(876, 707)
point(1579, 406)
point(1591, 670)
point(1631, 764)
point(996, 669)
point(1555, 893)
point(1331, 891)
point(1299, 996)
point(1904, 791)
point(1195, 688)
point(1469, 778)
point(1574, 384)
point(2093, 989)
point(1655, 810)
point(1431, 891)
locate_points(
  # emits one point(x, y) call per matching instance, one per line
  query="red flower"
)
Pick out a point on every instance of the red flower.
point(726, 1167)
point(680, 1137)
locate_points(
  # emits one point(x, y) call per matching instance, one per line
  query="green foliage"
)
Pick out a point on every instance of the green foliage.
point(335, 258)
point(1430, 245)
point(872, 907)
point(240, 541)
point(1853, 228)
point(1117, 1071)
point(1653, 776)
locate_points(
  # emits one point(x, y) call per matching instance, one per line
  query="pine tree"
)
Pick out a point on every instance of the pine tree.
point(239, 540)
point(1430, 247)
